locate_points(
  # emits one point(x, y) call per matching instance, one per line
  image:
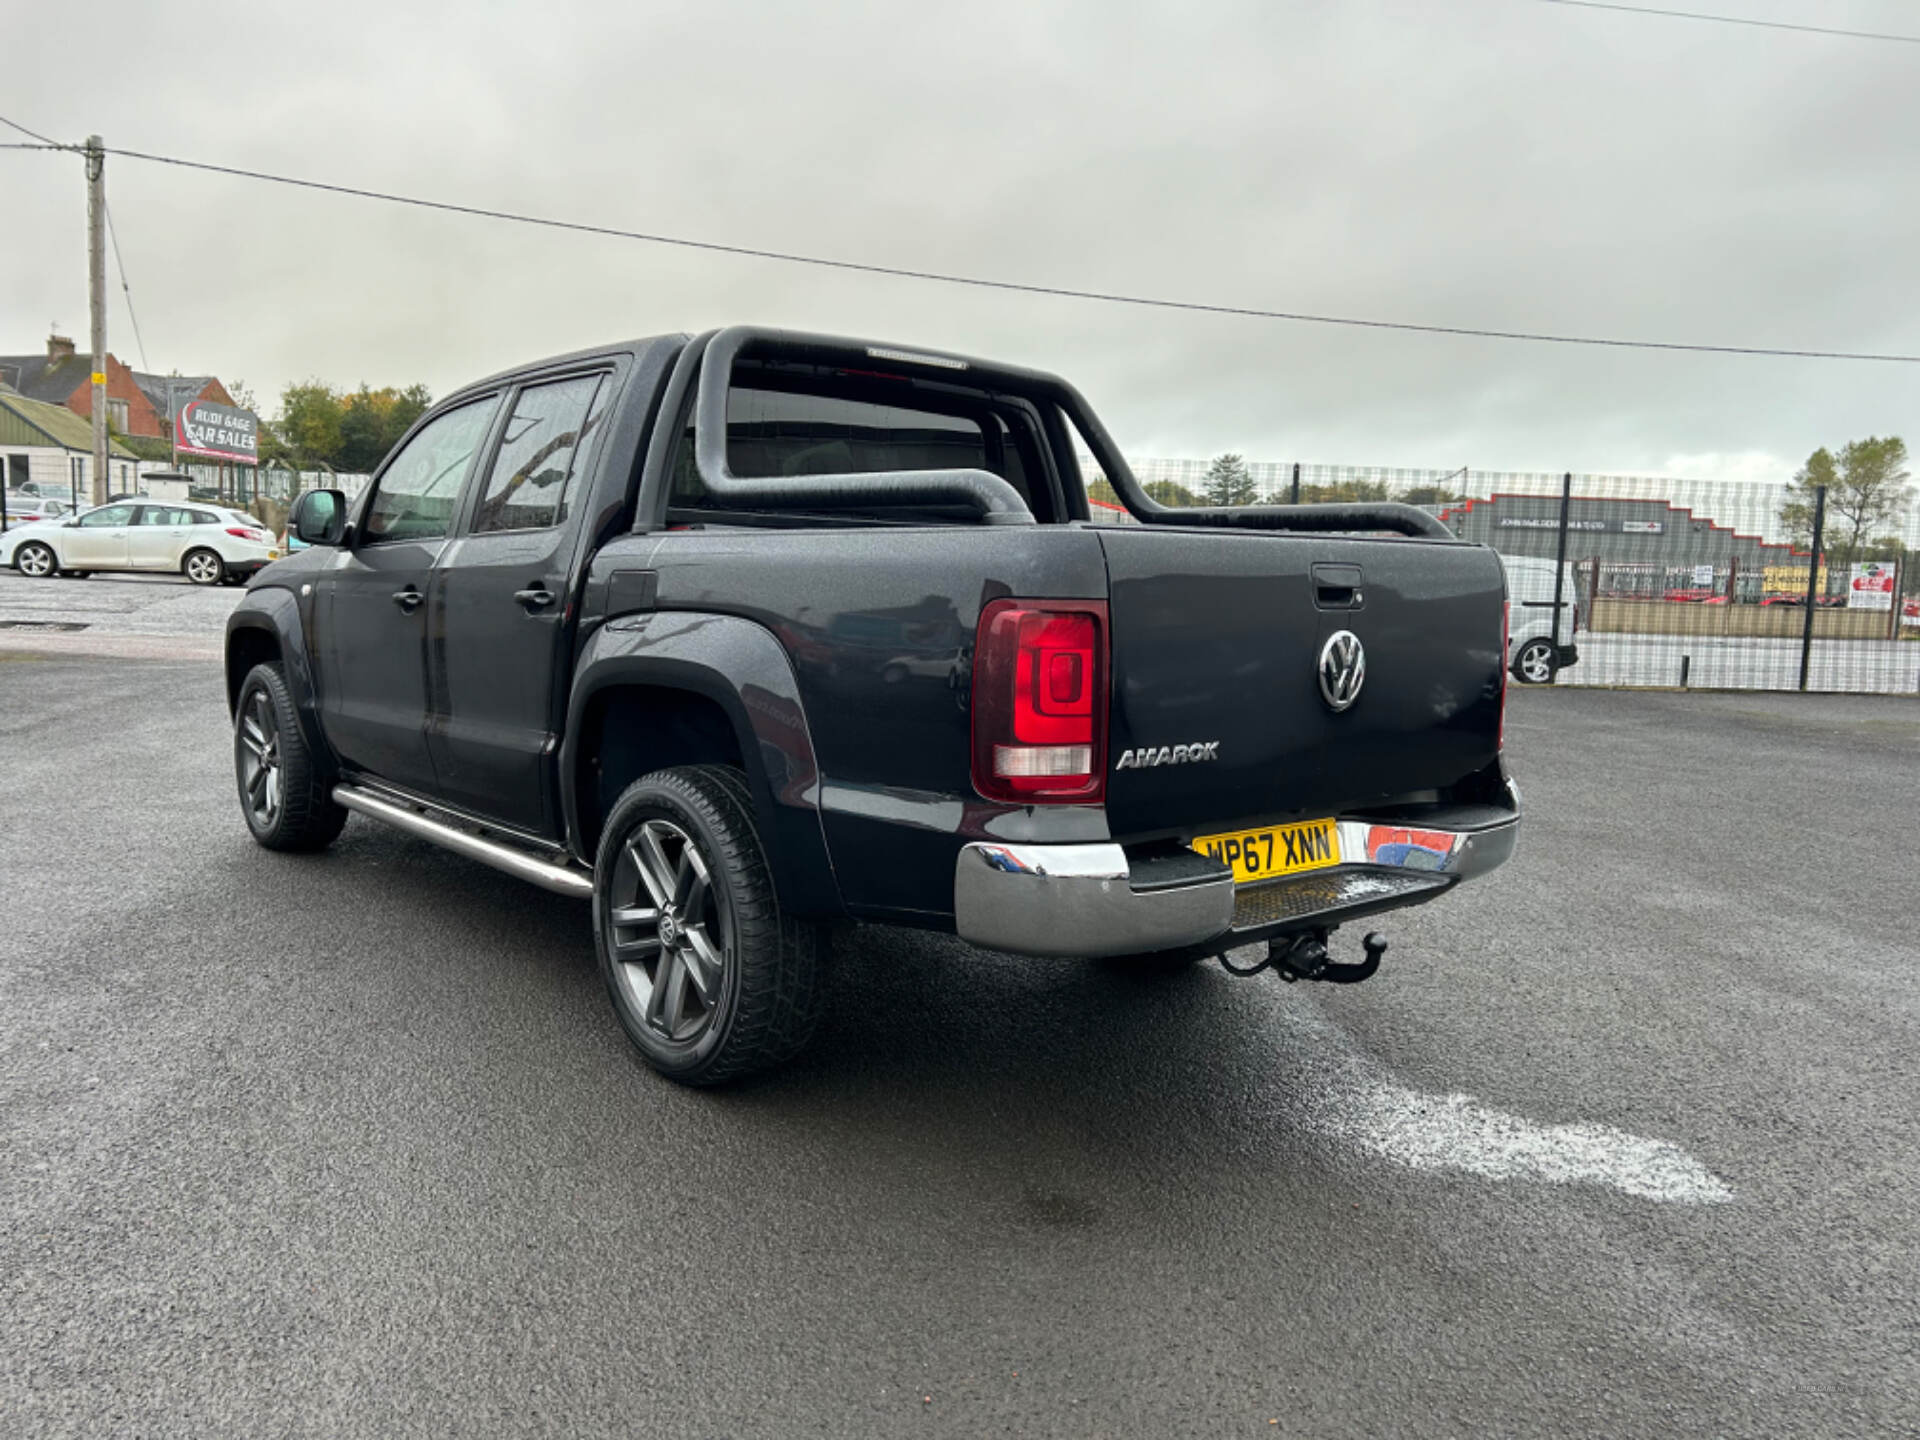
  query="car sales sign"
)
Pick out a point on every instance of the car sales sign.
point(219, 432)
point(1872, 586)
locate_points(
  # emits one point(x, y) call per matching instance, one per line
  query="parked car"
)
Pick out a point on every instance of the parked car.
point(1826, 602)
point(1692, 594)
point(1155, 742)
point(209, 546)
point(26, 507)
point(1537, 650)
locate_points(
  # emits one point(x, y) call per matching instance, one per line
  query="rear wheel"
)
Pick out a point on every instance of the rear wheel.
point(709, 979)
point(35, 560)
point(204, 567)
point(1535, 664)
point(286, 800)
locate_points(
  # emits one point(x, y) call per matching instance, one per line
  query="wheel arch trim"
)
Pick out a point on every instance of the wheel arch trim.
point(271, 610)
point(741, 667)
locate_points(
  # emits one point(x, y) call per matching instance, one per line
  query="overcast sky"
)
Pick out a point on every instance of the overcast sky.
point(1495, 163)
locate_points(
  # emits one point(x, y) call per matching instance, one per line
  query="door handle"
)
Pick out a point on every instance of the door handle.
point(407, 599)
point(538, 598)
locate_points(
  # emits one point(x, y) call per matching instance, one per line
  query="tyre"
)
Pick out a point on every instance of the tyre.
point(36, 561)
point(709, 979)
point(203, 567)
point(287, 802)
point(1535, 664)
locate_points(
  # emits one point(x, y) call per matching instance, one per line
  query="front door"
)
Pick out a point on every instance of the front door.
point(501, 610)
point(158, 539)
point(99, 540)
point(372, 647)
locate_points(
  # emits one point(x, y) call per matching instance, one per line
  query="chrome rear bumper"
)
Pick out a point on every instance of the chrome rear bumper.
point(1094, 900)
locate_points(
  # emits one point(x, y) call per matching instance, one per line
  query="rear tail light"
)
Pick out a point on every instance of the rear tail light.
point(258, 536)
point(1506, 633)
point(1040, 702)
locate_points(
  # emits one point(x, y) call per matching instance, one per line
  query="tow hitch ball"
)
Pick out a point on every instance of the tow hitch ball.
point(1304, 957)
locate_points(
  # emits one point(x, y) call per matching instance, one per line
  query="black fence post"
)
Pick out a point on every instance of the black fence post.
point(1813, 581)
point(1560, 560)
point(1296, 482)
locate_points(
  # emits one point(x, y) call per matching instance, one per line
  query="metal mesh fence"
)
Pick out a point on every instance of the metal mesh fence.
point(1646, 581)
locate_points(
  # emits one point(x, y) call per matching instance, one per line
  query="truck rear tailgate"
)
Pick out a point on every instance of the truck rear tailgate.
point(1216, 641)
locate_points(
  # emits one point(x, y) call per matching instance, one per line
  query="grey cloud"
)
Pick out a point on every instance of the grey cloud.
point(1491, 162)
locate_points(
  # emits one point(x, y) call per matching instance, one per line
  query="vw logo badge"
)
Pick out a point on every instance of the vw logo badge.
point(1343, 670)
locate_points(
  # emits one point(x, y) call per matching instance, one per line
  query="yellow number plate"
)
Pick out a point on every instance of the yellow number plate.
point(1280, 850)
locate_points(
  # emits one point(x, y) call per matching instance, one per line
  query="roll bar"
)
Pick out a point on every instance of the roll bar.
point(992, 498)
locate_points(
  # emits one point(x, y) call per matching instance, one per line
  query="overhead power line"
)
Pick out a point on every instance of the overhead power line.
point(1736, 20)
point(120, 260)
point(1018, 287)
point(35, 134)
point(981, 282)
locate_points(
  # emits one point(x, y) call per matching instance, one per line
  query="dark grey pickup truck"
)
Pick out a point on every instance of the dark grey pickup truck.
point(744, 635)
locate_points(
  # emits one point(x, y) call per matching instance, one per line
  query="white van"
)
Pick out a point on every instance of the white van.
point(1535, 652)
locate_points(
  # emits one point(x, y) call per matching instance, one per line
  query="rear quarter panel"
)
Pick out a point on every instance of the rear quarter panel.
point(879, 626)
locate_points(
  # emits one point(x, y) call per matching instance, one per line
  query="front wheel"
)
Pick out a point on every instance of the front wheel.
point(709, 979)
point(1535, 664)
point(203, 567)
point(36, 561)
point(286, 800)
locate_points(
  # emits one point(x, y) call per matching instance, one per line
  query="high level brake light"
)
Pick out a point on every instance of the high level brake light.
point(1040, 701)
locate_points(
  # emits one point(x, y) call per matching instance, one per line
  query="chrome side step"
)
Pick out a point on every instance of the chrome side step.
point(561, 879)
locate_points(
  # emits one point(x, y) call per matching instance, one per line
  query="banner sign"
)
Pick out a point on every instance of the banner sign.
point(1872, 586)
point(1589, 527)
point(219, 432)
point(1789, 579)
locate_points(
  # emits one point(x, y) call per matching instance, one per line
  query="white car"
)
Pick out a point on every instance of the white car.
point(1536, 649)
point(27, 507)
point(207, 544)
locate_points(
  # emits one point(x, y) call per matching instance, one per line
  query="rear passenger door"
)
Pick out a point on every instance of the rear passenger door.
point(502, 608)
point(158, 538)
point(372, 649)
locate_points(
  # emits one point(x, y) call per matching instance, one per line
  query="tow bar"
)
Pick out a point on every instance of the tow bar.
point(1304, 957)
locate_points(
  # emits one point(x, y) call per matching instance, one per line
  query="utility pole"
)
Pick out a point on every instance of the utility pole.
point(97, 303)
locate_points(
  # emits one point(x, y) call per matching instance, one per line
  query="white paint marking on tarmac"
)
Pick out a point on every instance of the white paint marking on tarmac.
point(1347, 1100)
point(1455, 1132)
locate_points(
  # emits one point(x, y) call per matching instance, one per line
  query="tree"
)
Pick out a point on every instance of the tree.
point(1866, 492)
point(1167, 492)
point(1346, 491)
point(1229, 482)
point(349, 432)
point(310, 422)
point(1430, 495)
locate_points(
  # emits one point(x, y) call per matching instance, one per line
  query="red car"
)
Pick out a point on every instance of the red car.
point(1697, 594)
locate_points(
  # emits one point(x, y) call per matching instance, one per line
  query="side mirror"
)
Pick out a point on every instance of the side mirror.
point(319, 517)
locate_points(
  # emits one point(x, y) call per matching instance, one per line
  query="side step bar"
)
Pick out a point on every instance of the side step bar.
point(561, 879)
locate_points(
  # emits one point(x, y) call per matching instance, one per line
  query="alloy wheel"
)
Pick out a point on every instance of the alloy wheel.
point(668, 931)
point(259, 740)
point(203, 568)
point(1536, 663)
point(35, 561)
